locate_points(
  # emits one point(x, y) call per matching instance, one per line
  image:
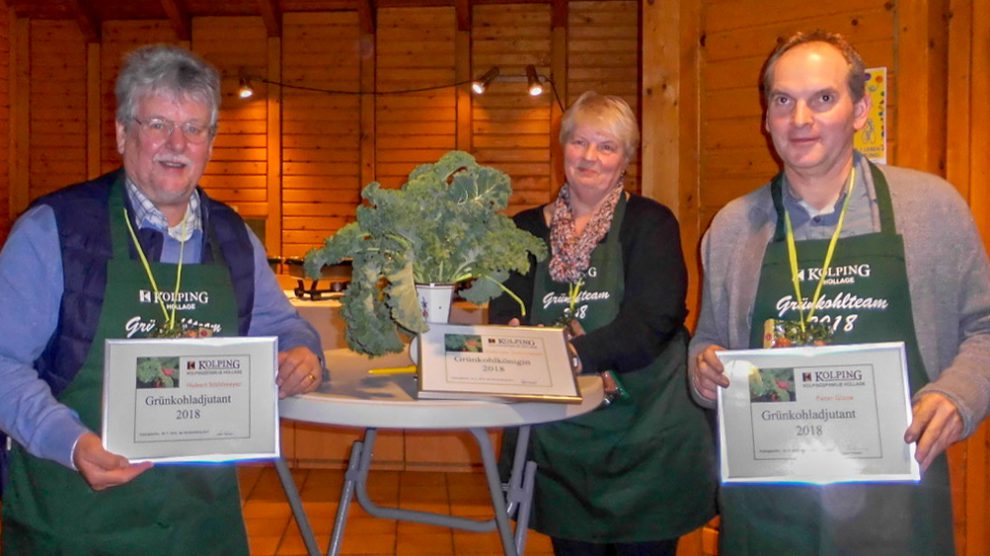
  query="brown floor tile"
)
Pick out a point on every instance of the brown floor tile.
point(263, 546)
point(425, 544)
point(273, 532)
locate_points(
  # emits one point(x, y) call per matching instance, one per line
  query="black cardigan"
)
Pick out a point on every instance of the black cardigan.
point(652, 311)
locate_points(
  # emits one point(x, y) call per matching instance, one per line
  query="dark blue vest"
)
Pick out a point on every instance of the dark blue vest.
point(84, 236)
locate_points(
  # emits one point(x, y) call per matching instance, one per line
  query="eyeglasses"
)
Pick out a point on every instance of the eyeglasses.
point(160, 129)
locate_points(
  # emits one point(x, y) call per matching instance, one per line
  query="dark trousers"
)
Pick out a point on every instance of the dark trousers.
point(564, 547)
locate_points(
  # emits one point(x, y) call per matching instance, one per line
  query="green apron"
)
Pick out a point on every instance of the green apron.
point(640, 469)
point(843, 519)
point(170, 509)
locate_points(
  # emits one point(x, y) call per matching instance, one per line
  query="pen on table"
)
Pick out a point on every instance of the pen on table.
point(408, 370)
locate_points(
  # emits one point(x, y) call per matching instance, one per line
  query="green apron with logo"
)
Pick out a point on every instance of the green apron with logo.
point(640, 469)
point(843, 519)
point(176, 509)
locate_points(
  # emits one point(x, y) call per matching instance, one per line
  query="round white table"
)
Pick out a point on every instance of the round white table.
point(355, 398)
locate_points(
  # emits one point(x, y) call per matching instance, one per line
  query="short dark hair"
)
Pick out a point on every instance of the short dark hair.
point(856, 78)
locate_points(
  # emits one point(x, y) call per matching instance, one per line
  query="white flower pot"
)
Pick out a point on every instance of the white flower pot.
point(435, 300)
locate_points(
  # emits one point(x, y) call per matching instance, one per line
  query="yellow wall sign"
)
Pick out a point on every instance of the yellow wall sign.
point(872, 139)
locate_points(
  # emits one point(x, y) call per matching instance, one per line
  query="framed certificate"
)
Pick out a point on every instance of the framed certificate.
point(210, 399)
point(495, 362)
point(816, 415)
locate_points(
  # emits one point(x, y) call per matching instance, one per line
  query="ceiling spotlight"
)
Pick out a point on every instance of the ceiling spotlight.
point(245, 90)
point(535, 87)
point(479, 85)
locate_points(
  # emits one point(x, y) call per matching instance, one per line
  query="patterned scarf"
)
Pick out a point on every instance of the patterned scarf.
point(571, 254)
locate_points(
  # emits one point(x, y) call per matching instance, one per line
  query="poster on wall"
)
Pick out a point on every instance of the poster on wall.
point(872, 139)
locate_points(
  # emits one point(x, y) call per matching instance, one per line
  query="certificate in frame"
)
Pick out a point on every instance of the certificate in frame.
point(490, 362)
point(185, 400)
point(816, 415)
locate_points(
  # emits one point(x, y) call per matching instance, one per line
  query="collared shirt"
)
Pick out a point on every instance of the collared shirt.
point(31, 287)
point(147, 215)
point(860, 215)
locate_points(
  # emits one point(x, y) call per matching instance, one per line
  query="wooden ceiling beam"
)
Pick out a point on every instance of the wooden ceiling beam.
point(180, 18)
point(366, 16)
point(89, 22)
point(272, 17)
point(463, 9)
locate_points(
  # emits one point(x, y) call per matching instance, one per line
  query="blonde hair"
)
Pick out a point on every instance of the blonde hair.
point(607, 112)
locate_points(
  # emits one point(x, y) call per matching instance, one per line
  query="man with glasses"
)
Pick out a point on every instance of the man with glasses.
point(84, 264)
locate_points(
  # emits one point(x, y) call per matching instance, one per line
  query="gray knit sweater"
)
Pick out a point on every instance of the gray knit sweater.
point(948, 275)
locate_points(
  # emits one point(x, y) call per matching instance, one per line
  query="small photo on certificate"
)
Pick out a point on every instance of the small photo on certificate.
point(211, 399)
point(816, 415)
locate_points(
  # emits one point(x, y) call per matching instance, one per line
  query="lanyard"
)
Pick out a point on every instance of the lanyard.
point(826, 264)
point(170, 326)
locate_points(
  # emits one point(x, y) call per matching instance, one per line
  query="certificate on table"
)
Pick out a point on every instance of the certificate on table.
point(210, 399)
point(495, 362)
point(816, 415)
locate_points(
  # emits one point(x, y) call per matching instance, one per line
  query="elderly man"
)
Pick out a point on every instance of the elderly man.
point(925, 258)
point(84, 264)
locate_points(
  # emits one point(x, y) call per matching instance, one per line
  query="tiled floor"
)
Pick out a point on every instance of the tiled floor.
point(272, 530)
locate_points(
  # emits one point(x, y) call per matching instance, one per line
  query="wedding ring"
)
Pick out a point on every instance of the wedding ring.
point(310, 376)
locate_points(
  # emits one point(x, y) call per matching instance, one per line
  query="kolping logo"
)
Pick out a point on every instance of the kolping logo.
point(833, 375)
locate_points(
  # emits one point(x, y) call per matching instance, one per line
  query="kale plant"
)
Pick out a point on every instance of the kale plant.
point(442, 226)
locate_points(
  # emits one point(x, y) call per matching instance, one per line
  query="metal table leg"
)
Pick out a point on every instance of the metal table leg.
point(352, 477)
point(295, 502)
point(518, 495)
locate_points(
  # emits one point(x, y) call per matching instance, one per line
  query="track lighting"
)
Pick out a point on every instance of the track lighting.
point(479, 85)
point(244, 90)
point(535, 87)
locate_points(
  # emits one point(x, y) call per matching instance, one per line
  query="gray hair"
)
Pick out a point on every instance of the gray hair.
point(168, 69)
point(603, 111)
point(856, 78)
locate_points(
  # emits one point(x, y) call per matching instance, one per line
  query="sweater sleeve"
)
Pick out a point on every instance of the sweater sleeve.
point(652, 309)
point(30, 294)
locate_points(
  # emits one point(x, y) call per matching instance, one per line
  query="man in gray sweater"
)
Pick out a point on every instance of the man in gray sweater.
point(900, 242)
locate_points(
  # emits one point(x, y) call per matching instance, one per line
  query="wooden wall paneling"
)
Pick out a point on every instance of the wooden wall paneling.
point(367, 25)
point(922, 68)
point(320, 131)
point(958, 124)
point(273, 220)
point(510, 128)
point(603, 55)
point(20, 92)
point(670, 120)
point(119, 38)
point(736, 37)
point(330, 447)
point(7, 18)
point(58, 113)
point(237, 174)
point(417, 48)
point(559, 72)
point(463, 72)
point(966, 167)
point(94, 113)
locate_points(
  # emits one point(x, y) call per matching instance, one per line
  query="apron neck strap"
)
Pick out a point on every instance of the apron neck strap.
point(884, 206)
point(880, 188)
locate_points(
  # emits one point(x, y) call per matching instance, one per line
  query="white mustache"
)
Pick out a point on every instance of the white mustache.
point(172, 160)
